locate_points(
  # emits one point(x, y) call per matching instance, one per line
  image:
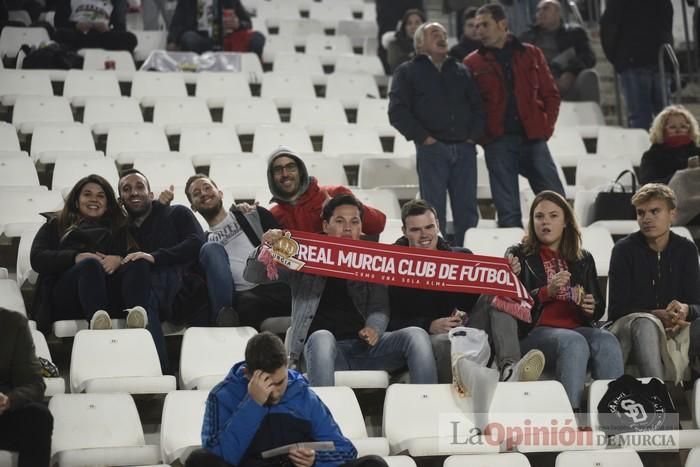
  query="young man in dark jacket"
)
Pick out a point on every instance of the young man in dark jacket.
point(232, 236)
point(631, 33)
point(25, 422)
point(261, 405)
point(435, 310)
point(568, 51)
point(435, 103)
point(522, 104)
point(655, 271)
point(168, 237)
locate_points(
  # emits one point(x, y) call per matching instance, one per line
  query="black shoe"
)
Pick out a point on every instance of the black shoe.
point(227, 318)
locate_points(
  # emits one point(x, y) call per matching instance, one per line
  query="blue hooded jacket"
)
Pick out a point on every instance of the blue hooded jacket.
point(237, 429)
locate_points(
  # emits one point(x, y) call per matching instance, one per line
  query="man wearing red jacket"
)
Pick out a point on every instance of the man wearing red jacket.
point(522, 103)
point(300, 199)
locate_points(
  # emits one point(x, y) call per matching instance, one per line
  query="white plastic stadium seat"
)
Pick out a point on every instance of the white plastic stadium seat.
point(494, 241)
point(124, 66)
point(8, 458)
point(296, 30)
point(67, 172)
point(59, 141)
point(424, 419)
point(215, 88)
point(328, 48)
point(628, 143)
point(510, 459)
point(18, 172)
point(30, 111)
point(351, 144)
point(269, 137)
point(566, 146)
point(161, 173)
point(24, 268)
point(599, 243)
point(384, 200)
point(200, 144)
point(15, 83)
point(592, 172)
point(207, 354)
point(277, 45)
point(123, 360)
point(21, 209)
point(8, 137)
point(372, 113)
point(98, 429)
point(283, 87)
point(56, 385)
point(586, 117)
point(351, 88)
point(292, 62)
point(352, 63)
point(181, 425)
point(80, 84)
point(393, 173)
point(327, 170)
point(124, 141)
point(245, 114)
point(693, 458)
point(176, 113)
point(318, 114)
point(345, 409)
point(613, 457)
point(147, 85)
point(330, 13)
point(102, 113)
point(13, 38)
point(148, 41)
point(242, 176)
point(10, 295)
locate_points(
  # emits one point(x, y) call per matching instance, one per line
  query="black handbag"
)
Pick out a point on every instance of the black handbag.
point(616, 205)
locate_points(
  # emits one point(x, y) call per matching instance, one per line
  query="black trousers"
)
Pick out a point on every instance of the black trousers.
point(110, 40)
point(28, 431)
point(261, 302)
point(204, 458)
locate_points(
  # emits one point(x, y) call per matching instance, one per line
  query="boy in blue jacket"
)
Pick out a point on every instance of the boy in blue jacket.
point(262, 405)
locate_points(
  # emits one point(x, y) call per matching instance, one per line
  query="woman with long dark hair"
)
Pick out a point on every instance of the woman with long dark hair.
point(78, 254)
point(562, 279)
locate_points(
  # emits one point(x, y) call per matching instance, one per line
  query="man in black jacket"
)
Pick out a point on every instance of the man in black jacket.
point(631, 33)
point(93, 24)
point(655, 271)
point(232, 237)
point(169, 237)
point(25, 422)
point(568, 52)
point(438, 311)
point(435, 103)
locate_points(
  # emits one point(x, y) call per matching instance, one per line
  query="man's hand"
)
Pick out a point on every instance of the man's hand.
point(678, 316)
point(443, 325)
point(566, 81)
point(588, 304)
point(514, 263)
point(246, 208)
point(139, 255)
point(302, 457)
point(272, 236)
point(664, 316)
point(83, 256)
point(558, 281)
point(369, 335)
point(83, 27)
point(111, 263)
point(4, 403)
point(166, 197)
point(100, 26)
point(260, 386)
point(429, 140)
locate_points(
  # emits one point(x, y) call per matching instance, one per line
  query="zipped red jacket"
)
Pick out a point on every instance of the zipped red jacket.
point(536, 94)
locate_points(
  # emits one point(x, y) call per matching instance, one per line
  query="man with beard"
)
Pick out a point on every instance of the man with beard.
point(232, 236)
point(169, 237)
point(435, 103)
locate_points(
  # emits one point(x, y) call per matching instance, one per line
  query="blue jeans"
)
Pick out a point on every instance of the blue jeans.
point(572, 350)
point(394, 350)
point(449, 168)
point(643, 95)
point(510, 156)
point(214, 262)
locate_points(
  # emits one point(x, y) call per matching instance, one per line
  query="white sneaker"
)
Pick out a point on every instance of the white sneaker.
point(137, 318)
point(100, 320)
point(528, 368)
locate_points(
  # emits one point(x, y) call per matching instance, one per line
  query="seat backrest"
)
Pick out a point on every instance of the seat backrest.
point(337, 141)
point(111, 110)
point(599, 242)
point(292, 29)
point(330, 13)
point(153, 84)
point(352, 63)
point(251, 111)
point(24, 206)
point(40, 109)
point(112, 353)
point(61, 137)
point(210, 84)
point(95, 59)
point(80, 421)
point(492, 242)
point(90, 83)
point(24, 82)
point(239, 172)
point(592, 172)
point(693, 458)
point(290, 63)
point(345, 409)
point(162, 173)
point(211, 352)
point(533, 403)
point(317, 111)
point(11, 297)
point(373, 112)
point(285, 85)
point(566, 142)
point(278, 45)
point(8, 137)
point(40, 345)
point(507, 459)
point(181, 110)
point(13, 38)
point(209, 140)
point(327, 170)
point(384, 200)
point(148, 41)
point(67, 172)
point(181, 425)
point(357, 30)
point(24, 267)
point(387, 171)
point(322, 45)
point(136, 138)
point(269, 137)
point(18, 172)
point(351, 85)
point(278, 10)
point(414, 411)
point(629, 143)
point(613, 457)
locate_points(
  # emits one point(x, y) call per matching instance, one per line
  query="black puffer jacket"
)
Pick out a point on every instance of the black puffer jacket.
point(660, 162)
point(533, 276)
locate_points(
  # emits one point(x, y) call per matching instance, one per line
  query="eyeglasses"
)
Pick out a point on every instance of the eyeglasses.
point(278, 169)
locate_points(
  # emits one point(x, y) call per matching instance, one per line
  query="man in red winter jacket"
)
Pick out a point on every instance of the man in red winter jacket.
point(522, 103)
point(300, 198)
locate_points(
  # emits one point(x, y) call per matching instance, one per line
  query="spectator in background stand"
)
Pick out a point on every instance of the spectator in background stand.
point(675, 138)
point(25, 422)
point(520, 14)
point(631, 33)
point(192, 24)
point(389, 13)
point(400, 47)
point(522, 105)
point(469, 41)
point(435, 103)
point(567, 49)
point(93, 24)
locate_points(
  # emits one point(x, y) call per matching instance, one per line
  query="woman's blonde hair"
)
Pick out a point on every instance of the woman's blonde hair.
point(656, 133)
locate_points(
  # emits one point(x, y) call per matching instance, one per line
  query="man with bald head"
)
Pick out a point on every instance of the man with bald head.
point(435, 103)
point(568, 51)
